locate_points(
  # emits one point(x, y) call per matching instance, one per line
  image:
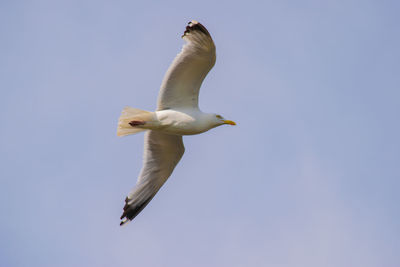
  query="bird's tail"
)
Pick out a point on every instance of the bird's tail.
point(129, 115)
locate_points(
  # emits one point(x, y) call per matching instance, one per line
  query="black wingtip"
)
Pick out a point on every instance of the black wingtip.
point(132, 210)
point(195, 26)
point(122, 223)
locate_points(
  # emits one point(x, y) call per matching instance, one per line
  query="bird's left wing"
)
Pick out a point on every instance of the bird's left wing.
point(181, 83)
point(161, 154)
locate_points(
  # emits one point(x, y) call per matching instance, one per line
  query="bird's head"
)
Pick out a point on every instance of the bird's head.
point(219, 120)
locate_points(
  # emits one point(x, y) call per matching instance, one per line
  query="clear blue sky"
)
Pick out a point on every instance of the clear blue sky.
point(309, 177)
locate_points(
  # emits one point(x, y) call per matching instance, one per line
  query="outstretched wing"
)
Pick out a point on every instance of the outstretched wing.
point(161, 154)
point(181, 84)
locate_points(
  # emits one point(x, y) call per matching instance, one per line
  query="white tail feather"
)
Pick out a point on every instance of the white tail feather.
point(130, 114)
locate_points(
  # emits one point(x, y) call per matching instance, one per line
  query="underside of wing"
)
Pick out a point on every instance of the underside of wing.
point(162, 153)
point(181, 84)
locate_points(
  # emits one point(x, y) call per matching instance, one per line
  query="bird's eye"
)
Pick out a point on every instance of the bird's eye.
point(219, 116)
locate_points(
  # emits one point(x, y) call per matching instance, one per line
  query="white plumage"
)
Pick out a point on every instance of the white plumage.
point(177, 114)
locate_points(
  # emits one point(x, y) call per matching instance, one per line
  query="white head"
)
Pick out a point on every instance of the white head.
point(218, 120)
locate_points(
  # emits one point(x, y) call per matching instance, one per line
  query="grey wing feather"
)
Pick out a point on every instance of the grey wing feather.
point(162, 152)
point(181, 83)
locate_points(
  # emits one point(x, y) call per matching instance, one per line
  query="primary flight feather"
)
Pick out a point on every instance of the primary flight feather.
point(177, 114)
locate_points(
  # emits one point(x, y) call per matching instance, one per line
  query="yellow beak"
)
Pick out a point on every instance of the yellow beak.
point(229, 122)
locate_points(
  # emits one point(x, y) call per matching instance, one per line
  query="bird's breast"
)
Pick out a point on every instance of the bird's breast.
point(181, 123)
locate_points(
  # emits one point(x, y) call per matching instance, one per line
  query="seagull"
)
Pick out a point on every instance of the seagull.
point(177, 114)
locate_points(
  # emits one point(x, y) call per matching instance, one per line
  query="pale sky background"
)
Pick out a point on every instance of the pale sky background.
point(309, 177)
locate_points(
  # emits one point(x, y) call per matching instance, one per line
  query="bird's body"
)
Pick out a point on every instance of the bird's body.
point(181, 121)
point(177, 114)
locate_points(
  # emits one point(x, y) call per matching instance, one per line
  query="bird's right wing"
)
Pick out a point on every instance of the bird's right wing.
point(181, 83)
point(162, 153)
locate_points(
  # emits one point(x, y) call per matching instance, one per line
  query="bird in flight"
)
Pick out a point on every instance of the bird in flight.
point(177, 114)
